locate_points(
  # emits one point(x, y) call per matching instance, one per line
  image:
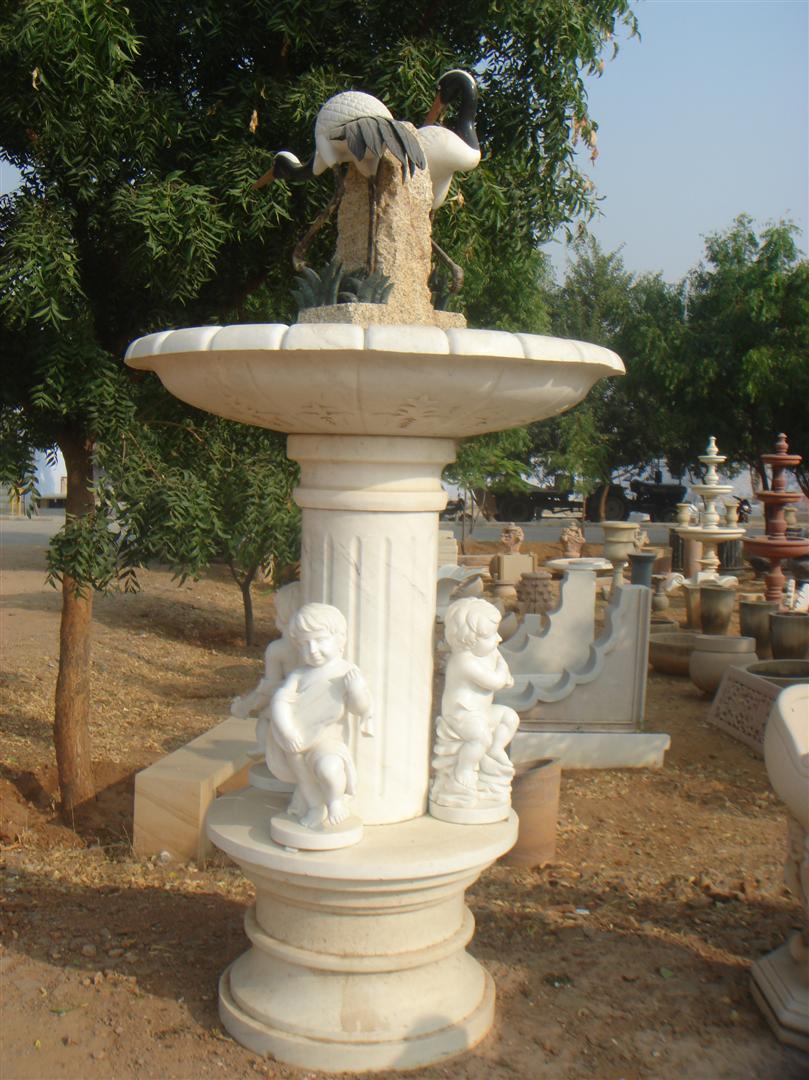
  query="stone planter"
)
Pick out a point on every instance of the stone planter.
point(789, 635)
point(619, 543)
point(660, 598)
point(535, 797)
point(715, 608)
point(692, 608)
point(714, 653)
point(670, 651)
point(781, 672)
point(641, 564)
point(754, 621)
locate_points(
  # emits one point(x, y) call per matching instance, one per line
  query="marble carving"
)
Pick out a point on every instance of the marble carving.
point(281, 657)
point(780, 980)
point(306, 738)
point(358, 955)
point(472, 771)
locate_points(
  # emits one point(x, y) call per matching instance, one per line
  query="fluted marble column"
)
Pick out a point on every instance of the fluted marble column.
point(370, 530)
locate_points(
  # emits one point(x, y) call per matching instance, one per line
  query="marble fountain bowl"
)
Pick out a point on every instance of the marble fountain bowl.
point(781, 672)
point(341, 379)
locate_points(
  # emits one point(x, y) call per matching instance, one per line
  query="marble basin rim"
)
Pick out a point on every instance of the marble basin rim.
point(341, 379)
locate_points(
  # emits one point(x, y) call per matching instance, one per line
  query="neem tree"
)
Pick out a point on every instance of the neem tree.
point(139, 128)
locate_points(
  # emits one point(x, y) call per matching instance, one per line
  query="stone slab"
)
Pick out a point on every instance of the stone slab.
point(592, 750)
point(742, 705)
point(172, 796)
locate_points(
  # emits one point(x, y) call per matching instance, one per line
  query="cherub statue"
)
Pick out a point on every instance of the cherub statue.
point(306, 739)
point(281, 657)
point(472, 781)
point(573, 540)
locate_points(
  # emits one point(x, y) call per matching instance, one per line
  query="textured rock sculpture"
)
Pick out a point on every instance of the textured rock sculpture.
point(307, 735)
point(472, 781)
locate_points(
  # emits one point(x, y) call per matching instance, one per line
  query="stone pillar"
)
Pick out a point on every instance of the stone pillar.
point(370, 516)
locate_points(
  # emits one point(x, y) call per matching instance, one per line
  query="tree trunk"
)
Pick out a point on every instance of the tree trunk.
point(603, 495)
point(71, 733)
point(247, 599)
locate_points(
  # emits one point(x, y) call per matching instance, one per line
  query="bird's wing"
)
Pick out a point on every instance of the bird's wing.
point(370, 128)
point(411, 144)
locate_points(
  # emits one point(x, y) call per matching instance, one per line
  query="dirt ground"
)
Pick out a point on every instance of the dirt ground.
point(627, 958)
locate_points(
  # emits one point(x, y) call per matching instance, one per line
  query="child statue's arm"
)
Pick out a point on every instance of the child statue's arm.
point(480, 674)
point(358, 699)
point(283, 725)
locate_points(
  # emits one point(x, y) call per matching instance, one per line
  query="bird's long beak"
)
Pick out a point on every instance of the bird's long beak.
point(436, 109)
point(267, 178)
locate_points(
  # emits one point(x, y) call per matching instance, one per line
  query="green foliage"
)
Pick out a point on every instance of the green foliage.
point(743, 371)
point(641, 320)
point(332, 285)
point(191, 490)
point(362, 288)
point(317, 289)
point(139, 129)
point(724, 353)
point(488, 462)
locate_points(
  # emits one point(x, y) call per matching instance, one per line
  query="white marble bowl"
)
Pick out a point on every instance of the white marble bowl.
point(339, 379)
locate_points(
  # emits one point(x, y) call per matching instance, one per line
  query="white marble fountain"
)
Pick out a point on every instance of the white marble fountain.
point(357, 957)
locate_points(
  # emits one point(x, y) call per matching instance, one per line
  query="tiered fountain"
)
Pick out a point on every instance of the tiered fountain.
point(358, 956)
point(708, 532)
point(776, 545)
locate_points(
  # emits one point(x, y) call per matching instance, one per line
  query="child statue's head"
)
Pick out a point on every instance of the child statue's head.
point(319, 631)
point(287, 601)
point(472, 622)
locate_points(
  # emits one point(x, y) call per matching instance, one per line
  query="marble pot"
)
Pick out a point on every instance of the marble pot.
point(692, 606)
point(641, 564)
point(670, 651)
point(715, 608)
point(754, 621)
point(535, 797)
point(714, 653)
point(781, 672)
point(619, 543)
point(789, 635)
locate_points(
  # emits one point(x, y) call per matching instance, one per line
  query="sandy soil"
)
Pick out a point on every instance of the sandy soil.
point(626, 958)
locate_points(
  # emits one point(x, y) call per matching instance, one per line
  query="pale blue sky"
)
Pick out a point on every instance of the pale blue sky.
point(704, 118)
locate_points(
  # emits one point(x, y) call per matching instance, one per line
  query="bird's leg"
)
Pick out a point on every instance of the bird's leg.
point(457, 272)
point(371, 260)
point(302, 246)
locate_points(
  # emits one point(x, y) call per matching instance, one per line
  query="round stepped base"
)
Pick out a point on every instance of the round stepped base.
point(358, 957)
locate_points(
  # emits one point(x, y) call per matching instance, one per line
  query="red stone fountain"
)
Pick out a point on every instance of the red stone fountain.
point(776, 545)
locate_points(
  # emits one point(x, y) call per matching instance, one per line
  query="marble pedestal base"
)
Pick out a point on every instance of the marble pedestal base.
point(781, 991)
point(358, 957)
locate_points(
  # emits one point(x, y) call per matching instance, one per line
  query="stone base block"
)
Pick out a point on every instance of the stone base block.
point(781, 992)
point(742, 705)
point(173, 795)
point(358, 956)
point(591, 749)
